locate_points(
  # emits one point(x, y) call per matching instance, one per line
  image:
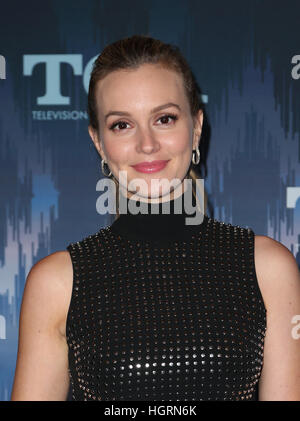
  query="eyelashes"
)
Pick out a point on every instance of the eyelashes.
point(174, 117)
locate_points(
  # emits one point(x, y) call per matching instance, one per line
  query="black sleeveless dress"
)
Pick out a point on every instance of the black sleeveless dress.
point(164, 311)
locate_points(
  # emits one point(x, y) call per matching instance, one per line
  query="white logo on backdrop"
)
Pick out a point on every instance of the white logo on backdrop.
point(2, 327)
point(296, 69)
point(52, 65)
point(2, 67)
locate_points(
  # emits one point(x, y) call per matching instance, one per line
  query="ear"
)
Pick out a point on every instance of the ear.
point(198, 123)
point(94, 136)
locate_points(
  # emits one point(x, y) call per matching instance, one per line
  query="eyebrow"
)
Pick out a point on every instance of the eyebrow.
point(154, 110)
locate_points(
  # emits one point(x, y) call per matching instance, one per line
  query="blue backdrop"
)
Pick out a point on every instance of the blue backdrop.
point(246, 58)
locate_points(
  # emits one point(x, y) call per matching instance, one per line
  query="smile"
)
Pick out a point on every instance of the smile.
point(150, 167)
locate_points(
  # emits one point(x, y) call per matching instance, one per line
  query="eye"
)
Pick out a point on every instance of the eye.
point(114, 125)
point(165, 118)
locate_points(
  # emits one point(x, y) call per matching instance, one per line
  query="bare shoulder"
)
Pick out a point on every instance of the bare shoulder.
point(277, 271)
point(58, 263)
point(49, 287)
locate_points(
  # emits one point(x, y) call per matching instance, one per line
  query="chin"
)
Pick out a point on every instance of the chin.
point(146, 195)
point(158, 194)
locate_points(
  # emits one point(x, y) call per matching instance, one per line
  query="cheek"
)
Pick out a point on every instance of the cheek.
point(181, 143)
point(117, 152)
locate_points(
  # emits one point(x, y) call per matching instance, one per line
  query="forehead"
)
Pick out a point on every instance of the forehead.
point(147, 85)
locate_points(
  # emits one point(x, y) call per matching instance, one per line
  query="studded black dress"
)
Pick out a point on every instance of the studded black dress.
point(164, 311)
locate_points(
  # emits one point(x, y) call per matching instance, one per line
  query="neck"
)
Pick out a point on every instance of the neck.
point(164, 221)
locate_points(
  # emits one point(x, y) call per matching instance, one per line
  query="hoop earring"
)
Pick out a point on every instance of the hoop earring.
point(102, 168)
point(195, 160)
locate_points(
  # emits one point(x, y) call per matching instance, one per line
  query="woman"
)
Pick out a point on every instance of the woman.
point(151, 308)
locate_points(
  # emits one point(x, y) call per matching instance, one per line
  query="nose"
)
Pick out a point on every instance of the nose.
point(147, 142)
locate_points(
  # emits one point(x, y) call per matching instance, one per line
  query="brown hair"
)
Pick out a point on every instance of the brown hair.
point(130, 53)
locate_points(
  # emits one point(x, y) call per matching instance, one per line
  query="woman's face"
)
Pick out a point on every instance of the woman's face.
point(144, 116)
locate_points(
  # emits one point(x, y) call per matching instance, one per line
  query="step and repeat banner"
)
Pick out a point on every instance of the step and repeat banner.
point(246, 59)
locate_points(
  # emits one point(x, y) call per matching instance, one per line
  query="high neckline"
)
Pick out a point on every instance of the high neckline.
point(155, 225)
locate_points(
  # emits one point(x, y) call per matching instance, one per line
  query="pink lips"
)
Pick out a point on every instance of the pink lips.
point(150, 167)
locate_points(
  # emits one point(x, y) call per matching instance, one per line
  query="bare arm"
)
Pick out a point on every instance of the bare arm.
point(279, 280)
point(42, 362)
